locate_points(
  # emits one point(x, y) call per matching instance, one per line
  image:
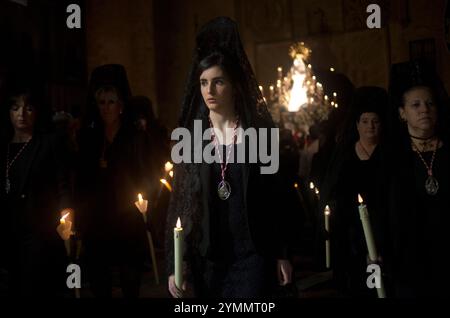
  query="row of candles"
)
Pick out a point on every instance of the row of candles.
point(142, 206)
point(368, 234)
point(65, 227)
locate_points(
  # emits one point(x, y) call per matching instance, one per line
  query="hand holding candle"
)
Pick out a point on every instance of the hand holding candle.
point(64, 228)
point(178, 253)
point(142, 205)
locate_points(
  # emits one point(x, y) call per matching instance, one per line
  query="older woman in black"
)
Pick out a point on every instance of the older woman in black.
point(417, 183)
point(112, 170)
point(353, 171)
point(34, 192)
point(235, 241)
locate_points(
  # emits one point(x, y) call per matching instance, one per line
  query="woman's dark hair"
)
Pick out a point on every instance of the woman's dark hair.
point(410, 75)
point(367, 99)
point(33, 96)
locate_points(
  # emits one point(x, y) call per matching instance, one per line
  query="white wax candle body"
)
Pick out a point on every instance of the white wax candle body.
point(373, 254)
point(365, 220)
point(327, 241)
point(178, 254)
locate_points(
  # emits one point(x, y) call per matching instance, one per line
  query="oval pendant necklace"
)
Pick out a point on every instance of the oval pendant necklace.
point(431, 184)
point(224, 187)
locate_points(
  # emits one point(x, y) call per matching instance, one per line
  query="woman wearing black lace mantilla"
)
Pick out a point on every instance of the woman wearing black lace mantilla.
point(232, 215)
point(416, 184)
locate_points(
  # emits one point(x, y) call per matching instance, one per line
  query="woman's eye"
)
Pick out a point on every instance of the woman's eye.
point(219, 82)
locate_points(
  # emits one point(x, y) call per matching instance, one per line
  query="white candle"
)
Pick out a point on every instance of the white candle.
point(327, 241)
point(178, 253)
point(142, 206)
point(373, 255)
point(365, 220)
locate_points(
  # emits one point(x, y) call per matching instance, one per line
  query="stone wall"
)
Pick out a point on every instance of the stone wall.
point(122, 32)
point(155, 39)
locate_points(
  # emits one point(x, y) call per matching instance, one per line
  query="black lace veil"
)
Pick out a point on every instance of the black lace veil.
point(221, 34)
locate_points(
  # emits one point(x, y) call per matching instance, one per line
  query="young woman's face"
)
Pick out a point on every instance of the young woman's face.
point(110, 106)
point(419, 109)
point(369, 125)
point(22, 115)
point(216, 88)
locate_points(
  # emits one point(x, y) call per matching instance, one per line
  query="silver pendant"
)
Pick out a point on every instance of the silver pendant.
point(431, 185)
point(7, 186)
point(224, 190)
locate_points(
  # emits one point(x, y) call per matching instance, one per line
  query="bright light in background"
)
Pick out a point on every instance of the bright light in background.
point(299, 95)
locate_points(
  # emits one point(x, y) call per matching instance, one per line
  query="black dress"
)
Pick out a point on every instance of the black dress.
point(254, 224)
point(32, 251)
point(110, 177)
point(233, 267)
point(418, 238)
point(348, 242)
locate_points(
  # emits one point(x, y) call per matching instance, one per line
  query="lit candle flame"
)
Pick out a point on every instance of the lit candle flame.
point(326, 97)
point(334, 94)
point(309, 66)
point(140, 199)
point(178, 224)
point(296, 185)
point(360, 199)
point(168, 166)
point(279, 69)
point(311, 185)
point(317, 191)
point(167, 184)
point(171, 174)
point(327, 210)
point(332, 69)
point(271, 87)
point(63, 218)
